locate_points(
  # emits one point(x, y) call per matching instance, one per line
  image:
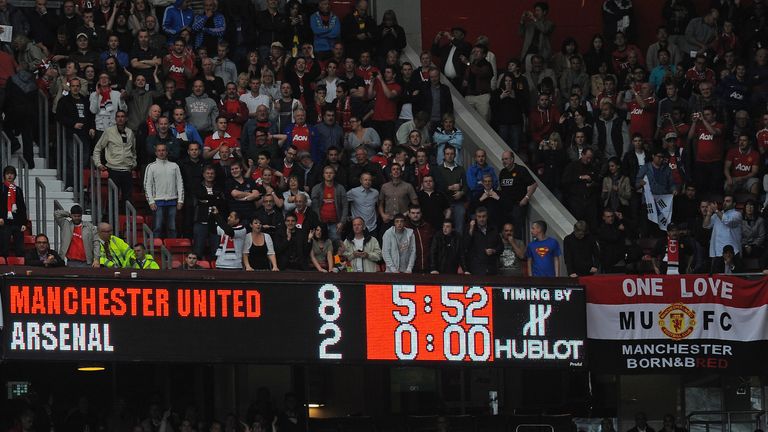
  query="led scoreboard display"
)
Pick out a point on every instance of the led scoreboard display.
point(247, 321)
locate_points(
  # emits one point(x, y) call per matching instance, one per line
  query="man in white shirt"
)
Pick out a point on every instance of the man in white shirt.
point(164, 188)
point(253, 99)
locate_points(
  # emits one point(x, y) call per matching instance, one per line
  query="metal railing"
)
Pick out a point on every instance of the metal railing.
point(724, 420)
point(56, 229)
point(113, 213)
point(43, 112)
point(166, 259)
point(70, 145)
point(41, 213)
point(96, 204)
point(77, 169)
point(23, 178)
point(149, 238)
point(61, 151)
point(130, 223)
point(5, 148)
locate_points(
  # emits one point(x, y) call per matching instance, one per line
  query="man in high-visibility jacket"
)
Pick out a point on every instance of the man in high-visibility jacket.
point(114, 252)
point(143, 260)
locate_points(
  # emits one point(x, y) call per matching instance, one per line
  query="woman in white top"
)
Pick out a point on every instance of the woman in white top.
point(364, 136)
point(258, 250)
point(289, 196)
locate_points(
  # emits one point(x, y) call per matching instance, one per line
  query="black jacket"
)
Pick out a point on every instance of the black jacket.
point(67, 113)
point(443, 51)
point(580, 254)
point(203, 201)
point(31, 258)
point(447, 253)
point(20, 216)
point(291, 254)
point(423, 101)
point(477, 261)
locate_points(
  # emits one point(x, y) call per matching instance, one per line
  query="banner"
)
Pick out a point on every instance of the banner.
point(656, 324)
point(658, 207)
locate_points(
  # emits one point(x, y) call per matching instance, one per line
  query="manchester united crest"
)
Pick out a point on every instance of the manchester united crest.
point(677, 321)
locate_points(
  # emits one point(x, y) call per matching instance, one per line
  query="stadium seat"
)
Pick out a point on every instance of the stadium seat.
point(176, 264)
point(204, 264)
point(178, 245)
point(29, 242)
point(2, 261)
point(15, 260)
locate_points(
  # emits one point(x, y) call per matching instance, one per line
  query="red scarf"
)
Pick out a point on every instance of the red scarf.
point(151, 129)
point(11, 199)
point(181, 127)
point(104, 92)
point(673, 256)
point(344, 113)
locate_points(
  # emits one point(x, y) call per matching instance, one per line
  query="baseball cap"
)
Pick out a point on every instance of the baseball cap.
point(277, 44)
point(670, 135)
point(79, 35)
point(76, 209)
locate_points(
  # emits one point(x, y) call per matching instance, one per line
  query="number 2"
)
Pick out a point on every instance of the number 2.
point(335, 337)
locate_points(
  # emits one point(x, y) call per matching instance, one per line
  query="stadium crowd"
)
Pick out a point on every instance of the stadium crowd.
point(282, 136)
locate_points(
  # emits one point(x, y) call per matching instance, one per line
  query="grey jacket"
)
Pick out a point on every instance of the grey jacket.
point(527, 30)
point(340, 198)
point(398, 258)
point(64, 221)
point(202, 112)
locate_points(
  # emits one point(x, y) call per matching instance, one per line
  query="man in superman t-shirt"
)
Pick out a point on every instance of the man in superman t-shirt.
point(543, 252)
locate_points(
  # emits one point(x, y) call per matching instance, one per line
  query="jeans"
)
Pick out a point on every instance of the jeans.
point(204, 239)
point(165, 216)
point(511, 135)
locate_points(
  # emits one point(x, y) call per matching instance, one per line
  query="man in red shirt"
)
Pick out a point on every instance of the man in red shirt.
point(742, 165)
point(706, 136)
point(219, 138)
point(385, 91)
point(235, 111)
point(543, 118)
point(365, 70)
point(78, 238)
point(329, 200)
point(642, 112)
point(699, 73)
point(178, 65)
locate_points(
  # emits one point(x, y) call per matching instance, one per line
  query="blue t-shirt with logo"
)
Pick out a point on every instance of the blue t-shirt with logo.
point(543, 255)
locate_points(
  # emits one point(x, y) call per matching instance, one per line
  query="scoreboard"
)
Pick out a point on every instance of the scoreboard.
point(260, 321)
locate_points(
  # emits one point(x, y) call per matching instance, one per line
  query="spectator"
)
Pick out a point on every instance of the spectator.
point(455, 184)
point(361, 164)
point(674, 253)
point(178, 64)
point(447, 250)
point(83, 54)
point(670, 103)
point(448, 134)
point(543, 253)
point(202, 111)
point(516, 187)
point(618, 17)
point(329, 201)
point(271, 218)
point(78, 238)
point(164, 188)
point(113, 50)
point(213, 85)
point(663, 43)
point(258, 250)
point(209, 27)
point(542, 120)
point(536, 29)
point(358, 30)
point(477, 82)
point(539, 77)
point(479, 169)
point(617, 188)
point(42, 255)
point(508, 104)
point(483, 245)
point(395, 196)
point(581, 253)
point(163, 135)
point(207, 196)
point(489, 198)
point(423, 233)
point(726, 229)
point(76, 117)
point(434, 98)
point(232, 233)
point(321, 249)
point(419, 123)
point(139, 100)
point(622, 52)
point(552, 159)
point(104, 104)
point(242, 193)
point(434, 203)
point(220, 137)
point(225, 68)
point(177, 17)
point(361, 136)
point(171, 98)
point(326, 27)
point(658, 175)
point(643, 112)
point(254, 98)
point(454, 54)
point(512, 254)
point(384, 91)
point(581, 187)
point(728, 264)
point(142, 260)
point(663, 71)
point(706, 136)
point(329, 133)
point(114, 252)
point(611, 237)
point(399, 247)
point(118, 145)
point(182, 130)
point(741, 168)
point(363, 201)
point(752, 231)
point(700, 33)
point(306, 218)
point(611, 136)
point(291, 245)
point(575, 77)
point(361, 249)
point(191, 262)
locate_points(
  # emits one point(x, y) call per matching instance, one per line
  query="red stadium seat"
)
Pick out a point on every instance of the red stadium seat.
point(15, 260)
point(2, 261)
point(178, 245)
point(176, 264)
point(204, 264)
point(158, 242)
point(29, 242)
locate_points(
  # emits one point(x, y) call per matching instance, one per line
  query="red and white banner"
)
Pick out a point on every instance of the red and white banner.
point(653, 323)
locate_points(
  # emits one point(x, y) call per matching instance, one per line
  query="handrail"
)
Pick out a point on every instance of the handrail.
point(77, 170)
point(725, 418)
point(96, 210)
point(23, 178)
point(41, 214)
point(61, 152)
point(149, 238)
point(113, 215)
point(43, 114)
point(166, 259)
point(5, 148)
point(130, 223)
point(56, 230)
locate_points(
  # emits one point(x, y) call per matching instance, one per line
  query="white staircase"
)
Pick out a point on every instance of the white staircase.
point(54, 190)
